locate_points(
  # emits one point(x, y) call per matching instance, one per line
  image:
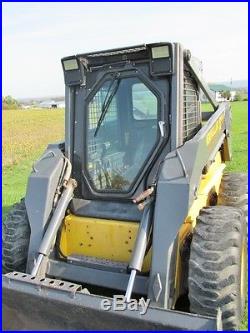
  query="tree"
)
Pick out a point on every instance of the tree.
point(238, 96)
point(8, 103)
point(226, 94)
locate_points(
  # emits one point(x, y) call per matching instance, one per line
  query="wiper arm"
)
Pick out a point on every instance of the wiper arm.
point(107, 102)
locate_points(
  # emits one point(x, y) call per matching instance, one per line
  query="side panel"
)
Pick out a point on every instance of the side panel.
point(40, 193)
point(176, 191)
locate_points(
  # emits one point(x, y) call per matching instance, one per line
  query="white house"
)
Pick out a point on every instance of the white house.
point(219, 89)
point(61, 104)
point(48, 105)
point(52, 104)
point(23, 106)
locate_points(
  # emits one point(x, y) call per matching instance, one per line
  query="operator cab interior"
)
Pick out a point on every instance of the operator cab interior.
point(122, 131)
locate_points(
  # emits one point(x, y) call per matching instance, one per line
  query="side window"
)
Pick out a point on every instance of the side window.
point(144, 102)
point(191, 108)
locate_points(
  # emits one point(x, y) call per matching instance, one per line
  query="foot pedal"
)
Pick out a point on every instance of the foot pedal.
point(98, 263)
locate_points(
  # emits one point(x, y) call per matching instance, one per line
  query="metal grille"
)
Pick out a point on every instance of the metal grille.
point(117, 52)
point(192, 112)
point(95, 145)
point(95, 108)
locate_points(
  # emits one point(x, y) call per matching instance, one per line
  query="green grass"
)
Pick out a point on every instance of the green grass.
point(239, 135)
point(26, 134)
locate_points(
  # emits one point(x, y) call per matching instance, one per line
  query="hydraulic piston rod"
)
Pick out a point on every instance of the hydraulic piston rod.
point(54, 224)
point(139, 249)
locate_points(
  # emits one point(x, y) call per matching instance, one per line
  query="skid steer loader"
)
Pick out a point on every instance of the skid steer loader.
point(134, 203)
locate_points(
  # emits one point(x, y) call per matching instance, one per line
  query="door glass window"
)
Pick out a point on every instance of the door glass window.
point(118, 143)
point(144, 102)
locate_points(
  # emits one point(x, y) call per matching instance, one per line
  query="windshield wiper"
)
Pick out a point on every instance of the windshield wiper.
point(107, 101)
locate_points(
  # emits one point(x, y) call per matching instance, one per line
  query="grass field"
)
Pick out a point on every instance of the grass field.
point(26, 134)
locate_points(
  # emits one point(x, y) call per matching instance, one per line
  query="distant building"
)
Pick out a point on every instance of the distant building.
point(219, 89)
point(61, 104)
point(25, 106)
point(48, 105)
point(52, 104)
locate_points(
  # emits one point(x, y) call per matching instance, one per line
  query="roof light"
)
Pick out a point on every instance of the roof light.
point(70, 64)
point(160, 52)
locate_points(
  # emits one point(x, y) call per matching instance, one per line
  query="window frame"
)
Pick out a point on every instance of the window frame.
point(110, 193)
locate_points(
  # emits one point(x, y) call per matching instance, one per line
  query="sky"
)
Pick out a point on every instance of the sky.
point(37, 35)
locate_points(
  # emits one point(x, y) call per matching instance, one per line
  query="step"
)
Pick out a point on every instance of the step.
point(98, 263)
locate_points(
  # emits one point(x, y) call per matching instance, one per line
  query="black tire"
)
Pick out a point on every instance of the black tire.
point(15, 238)
point(234, 191)
point(217, 266)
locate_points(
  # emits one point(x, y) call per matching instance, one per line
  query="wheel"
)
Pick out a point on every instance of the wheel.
point(234, 191)
point(15, 238)
point(217, 265)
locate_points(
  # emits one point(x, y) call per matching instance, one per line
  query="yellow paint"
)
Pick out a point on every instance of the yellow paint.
point(215, 129)
point(109, 239)
point(210, 183)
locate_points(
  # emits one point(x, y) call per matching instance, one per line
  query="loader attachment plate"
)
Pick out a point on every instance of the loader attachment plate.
point(47, 304)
